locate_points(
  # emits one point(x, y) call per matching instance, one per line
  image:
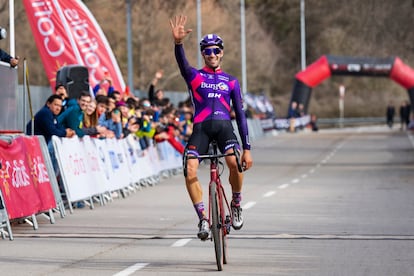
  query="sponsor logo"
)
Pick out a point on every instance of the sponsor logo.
point(214, 95)
point(221, 86)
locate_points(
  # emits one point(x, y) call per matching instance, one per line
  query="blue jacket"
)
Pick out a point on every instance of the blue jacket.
point(46, 124)
point(4, 56)
point(111, 125)
point(72, 117)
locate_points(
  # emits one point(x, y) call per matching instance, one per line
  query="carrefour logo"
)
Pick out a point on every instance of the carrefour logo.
point(221, 86)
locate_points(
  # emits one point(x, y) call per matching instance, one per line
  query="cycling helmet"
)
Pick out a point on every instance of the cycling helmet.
point(211, 40)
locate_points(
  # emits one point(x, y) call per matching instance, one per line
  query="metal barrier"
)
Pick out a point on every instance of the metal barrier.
point(60, 207)
point(11, 102)
point(25, 173)
point(4, 220)
point(92, 170)
point(255, 129)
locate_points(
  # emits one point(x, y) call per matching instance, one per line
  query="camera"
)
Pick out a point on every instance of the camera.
point(3, 33)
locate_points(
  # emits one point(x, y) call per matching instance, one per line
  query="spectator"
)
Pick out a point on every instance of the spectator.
point(60, 90)
point(156, 97)
point(301, 110)
point(292, 115)
point(47, 125)
point(167, 130)
point(72, 117)
point(147, 128)
point(390, 114)
point(313, 123)
point(104, 87)
point(124, 109)
point(13, 61)
point(405, 110)
point(101, 104)
point(293, 110)
point(90, 121)
point(132, 104)
point(186, 127)
point(111, 120)
point(132, 126)
point(116, 95)
point(111, 103)
point(45, 120)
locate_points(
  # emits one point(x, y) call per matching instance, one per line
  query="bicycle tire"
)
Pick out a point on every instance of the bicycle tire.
point(216, 229)
point(224, 232)
point(185, 159)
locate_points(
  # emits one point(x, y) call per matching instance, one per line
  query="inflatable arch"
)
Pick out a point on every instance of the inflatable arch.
point(328, 65)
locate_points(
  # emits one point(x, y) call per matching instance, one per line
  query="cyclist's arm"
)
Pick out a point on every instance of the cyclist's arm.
point(241, 120)
point(185, 68)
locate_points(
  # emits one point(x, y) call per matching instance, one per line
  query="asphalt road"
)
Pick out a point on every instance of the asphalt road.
point(337, 202)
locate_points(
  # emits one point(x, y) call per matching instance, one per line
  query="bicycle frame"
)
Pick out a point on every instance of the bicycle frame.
point(219, 214)
point(222, 204)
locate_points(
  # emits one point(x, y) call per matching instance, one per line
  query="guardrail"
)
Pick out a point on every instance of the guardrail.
point(325, 122)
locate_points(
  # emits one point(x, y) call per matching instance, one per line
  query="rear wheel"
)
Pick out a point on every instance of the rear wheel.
point(216, 229)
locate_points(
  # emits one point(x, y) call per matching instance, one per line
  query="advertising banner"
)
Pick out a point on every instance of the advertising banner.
point(24, 180)
point(67, 33)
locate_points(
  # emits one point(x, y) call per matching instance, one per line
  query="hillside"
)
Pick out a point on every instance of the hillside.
point(374, 28)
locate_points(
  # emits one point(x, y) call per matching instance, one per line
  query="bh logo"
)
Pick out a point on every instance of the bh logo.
point(214, 95)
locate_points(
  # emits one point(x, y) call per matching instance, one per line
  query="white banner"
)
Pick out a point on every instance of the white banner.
point(92, 166)
point(74, 168)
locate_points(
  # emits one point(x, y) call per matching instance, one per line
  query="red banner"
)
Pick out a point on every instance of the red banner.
point(67, 33)
point(24, 180)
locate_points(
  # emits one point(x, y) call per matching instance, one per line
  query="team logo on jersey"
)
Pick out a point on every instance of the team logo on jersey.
point(223, 78)
point(221, 86)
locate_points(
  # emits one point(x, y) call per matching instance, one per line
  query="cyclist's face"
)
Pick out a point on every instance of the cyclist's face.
point(212, 56)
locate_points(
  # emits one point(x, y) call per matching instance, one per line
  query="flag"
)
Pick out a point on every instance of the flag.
point(67, 33)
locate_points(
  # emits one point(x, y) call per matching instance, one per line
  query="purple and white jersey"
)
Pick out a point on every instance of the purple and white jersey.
point(211, 93)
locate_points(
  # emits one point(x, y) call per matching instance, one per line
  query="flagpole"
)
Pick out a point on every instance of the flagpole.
point(129, 48)
point(11, 23)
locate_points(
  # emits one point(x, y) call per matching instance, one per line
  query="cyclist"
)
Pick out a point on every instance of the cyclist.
point(211, 91)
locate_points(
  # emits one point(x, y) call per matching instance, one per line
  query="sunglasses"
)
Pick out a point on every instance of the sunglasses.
point(209, 51)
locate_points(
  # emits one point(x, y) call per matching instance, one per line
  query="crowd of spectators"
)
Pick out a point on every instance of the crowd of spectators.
point(109, 114)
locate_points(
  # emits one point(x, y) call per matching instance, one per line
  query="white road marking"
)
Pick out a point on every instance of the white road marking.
point(304, 175)
point(283, 186)
point(296, 180)
point(312, 171)
point(249, 204)
point(181, 242)
point(269, 194)
point(129, 270)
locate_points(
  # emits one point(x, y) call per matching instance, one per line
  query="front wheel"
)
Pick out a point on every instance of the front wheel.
point(216, 228)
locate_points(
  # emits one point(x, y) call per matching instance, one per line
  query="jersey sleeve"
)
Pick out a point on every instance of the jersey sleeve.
point(185, 68)
point(241, 120)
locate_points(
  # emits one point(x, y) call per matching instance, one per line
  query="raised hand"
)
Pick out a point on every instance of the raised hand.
point(178, 28)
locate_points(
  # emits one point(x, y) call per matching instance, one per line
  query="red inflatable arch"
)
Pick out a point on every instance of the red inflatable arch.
point(328, 65)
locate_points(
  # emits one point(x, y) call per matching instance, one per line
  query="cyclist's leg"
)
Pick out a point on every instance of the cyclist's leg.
point(226, 143)
point(197, 145)
point(191, 181)
point(235, 177)
point(226, 140)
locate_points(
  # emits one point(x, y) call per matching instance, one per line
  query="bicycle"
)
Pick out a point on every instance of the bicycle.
point(220, 216)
